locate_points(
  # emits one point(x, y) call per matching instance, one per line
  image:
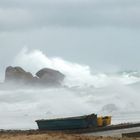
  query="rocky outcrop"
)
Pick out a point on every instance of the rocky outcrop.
point(50, 76)
point(18, 75)
point(44, 77)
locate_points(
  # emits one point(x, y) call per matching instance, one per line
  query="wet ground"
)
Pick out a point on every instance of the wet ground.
point(114, 133)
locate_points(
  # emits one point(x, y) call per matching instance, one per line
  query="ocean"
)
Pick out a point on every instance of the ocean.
point(83, 91)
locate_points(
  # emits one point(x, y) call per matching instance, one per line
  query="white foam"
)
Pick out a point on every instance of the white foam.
point(84, 93)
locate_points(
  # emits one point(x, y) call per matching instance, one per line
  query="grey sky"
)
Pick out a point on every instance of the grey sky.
point(101, 33)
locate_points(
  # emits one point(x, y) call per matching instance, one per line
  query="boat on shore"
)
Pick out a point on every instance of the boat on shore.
point(70, 123)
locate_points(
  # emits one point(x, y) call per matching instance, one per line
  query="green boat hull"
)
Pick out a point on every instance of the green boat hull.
point(80, 122)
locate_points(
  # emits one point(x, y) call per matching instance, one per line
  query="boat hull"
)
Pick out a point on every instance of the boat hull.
point(81, 122)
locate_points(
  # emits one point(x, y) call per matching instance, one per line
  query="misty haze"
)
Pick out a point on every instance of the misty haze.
point(68, 58)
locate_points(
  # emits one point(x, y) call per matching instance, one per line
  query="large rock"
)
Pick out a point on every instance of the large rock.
point(18, 75)
point(50, 76)
point(44, 77)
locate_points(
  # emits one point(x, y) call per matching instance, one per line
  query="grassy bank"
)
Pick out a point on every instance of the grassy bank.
point(55, 136)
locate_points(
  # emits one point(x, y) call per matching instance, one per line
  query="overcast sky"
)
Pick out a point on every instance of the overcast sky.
point(104, 34)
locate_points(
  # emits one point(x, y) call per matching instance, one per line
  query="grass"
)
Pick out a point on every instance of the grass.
point(55, 136)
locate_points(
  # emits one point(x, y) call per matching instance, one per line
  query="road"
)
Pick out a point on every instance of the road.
point(114, 133)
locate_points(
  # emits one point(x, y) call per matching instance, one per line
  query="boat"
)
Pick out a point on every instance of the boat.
point(70, 123)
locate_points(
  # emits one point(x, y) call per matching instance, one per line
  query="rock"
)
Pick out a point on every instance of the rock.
point(50, 76)
point(45, 77)
point(17, 74)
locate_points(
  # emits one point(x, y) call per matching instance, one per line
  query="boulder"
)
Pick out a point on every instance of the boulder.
point(50, 76)
point(17, 74)
point(45, 77)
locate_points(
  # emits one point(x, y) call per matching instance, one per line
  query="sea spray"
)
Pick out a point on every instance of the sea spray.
point(83, 92)
point(76, 74)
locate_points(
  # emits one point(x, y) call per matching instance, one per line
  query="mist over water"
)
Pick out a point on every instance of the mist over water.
point(83, 92)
